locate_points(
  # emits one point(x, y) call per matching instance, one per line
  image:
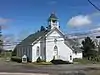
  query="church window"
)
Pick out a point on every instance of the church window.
point(37, 51)
point(55, 40)
point(55, 50)
point(76, 52)
point(54, 21)
point(70, 57)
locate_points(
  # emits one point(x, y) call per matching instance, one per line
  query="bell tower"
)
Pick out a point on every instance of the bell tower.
point(53, 21)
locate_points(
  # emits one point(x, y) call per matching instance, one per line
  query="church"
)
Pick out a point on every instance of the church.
point(49, 44)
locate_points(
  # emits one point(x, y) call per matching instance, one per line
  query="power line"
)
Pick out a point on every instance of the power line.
point(16, 43)
point(94, 5)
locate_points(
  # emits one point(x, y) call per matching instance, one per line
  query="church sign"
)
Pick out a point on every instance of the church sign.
point(24, 59)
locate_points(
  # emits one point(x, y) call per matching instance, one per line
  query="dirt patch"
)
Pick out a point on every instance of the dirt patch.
point(93, 72)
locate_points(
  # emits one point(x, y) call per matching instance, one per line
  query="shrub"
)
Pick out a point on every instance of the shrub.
point(14, 52)
point(82, 61)
point(38, 60)
point(96, 59)
point(77, 59)
point(58, 61)
point(16, 59)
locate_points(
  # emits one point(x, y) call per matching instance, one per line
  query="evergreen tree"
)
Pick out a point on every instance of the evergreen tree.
point(42, 28)
point(49, 27)
point(14, 52)
point(99, 48)
point(1, 41)
point(89, 48)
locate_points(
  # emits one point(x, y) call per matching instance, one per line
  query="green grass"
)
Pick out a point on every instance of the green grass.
point(6, 56)
point(95, 60)
point(42, 63)
point(83, 61)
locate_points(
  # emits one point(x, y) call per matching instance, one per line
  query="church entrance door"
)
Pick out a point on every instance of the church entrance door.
point(55, 52)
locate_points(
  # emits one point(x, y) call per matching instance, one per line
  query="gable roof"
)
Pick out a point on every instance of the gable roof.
point(72, 44)
point(56, 30)
point(33, 37)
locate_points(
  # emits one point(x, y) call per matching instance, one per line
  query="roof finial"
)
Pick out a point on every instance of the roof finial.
point(53, 12)
point(52, 17)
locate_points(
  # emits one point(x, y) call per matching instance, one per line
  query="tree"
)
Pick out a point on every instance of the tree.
point(49, 28)
point(1, 41)
point(1, 46)
point(89, 48)
point(42, 28)
point(14, 52)
point(99, 48)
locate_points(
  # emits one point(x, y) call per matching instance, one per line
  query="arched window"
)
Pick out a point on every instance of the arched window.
point(55, 48)
point(70, 57)
point(37, 51)
point(76, 52)
point(55, 52)
point(55, 40)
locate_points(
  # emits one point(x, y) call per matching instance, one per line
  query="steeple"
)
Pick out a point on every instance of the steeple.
point(53, 21)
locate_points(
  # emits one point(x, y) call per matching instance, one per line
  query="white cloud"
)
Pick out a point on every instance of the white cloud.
point(79, 20)
point(95, 30)
point(95, 14)
point(4, 20)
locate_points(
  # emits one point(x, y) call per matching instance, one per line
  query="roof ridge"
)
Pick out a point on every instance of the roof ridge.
point(32, 37)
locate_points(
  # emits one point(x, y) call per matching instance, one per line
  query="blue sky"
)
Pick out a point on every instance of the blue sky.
point(22, 17)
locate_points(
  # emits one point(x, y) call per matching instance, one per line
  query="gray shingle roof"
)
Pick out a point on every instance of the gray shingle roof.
point(33, 37)
point(73, 45)
point(76, 48)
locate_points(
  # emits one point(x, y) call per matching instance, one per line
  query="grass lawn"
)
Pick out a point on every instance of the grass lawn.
point(35, 64)
point(5, 56)
point(42, 63)
point(85, 61)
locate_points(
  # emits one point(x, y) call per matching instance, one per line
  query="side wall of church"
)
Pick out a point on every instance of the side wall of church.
point(35, 54)
point(24, 50)
point(43, 48)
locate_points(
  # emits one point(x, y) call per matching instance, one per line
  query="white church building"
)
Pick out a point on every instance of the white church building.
point(49, 44)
